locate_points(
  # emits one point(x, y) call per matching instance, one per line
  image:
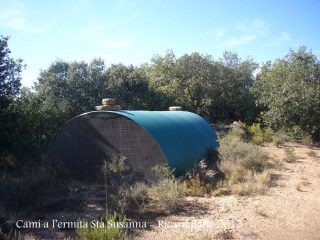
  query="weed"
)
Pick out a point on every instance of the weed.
point(256, 185)
point(163, 172)
point(201, 179)
point(139, 194)
point(237, 154)
point(196, 187)
point(290, 155)
point(298, 187)
point(307, 140)
point(279, 138)
point(168, 194)
point(222, 188)
point(248, 189)
point(244, 166)
point(117, 165)
point(112, 228)
point(262, 178)
point(312, 153)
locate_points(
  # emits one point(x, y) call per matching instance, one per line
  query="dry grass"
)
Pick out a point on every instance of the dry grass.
point(290, 156)
point(167, 195)
point(244, 165)
point(257, 184)
point(312, 153)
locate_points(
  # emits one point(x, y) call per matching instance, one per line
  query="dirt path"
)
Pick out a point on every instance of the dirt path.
point(289, 210)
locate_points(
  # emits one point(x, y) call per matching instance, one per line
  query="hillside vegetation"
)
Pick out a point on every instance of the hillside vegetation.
point(274, 102)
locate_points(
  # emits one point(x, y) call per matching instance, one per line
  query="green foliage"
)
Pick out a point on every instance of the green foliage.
point(217, 90)
point(257, 134)
point(10, 76)
point(112, 230)
point(289, 92)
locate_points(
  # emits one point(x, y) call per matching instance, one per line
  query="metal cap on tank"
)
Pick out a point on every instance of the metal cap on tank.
point(175, 108)
point(108, 104)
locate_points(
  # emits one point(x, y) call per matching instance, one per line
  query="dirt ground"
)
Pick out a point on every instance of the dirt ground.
point(289, 210)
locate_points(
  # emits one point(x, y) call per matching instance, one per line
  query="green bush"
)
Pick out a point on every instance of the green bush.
point(105, 233)
point(257, 134)
point(296, 133)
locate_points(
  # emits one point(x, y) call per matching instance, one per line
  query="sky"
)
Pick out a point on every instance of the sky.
point(133, 31)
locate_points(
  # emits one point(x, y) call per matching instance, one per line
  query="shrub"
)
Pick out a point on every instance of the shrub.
point(139, 194)
point(238, 154)
point(244, 166)
point(290, 155)
point(222, 188)
point(257, 134)
point(201, 179)
point(24, 190)
point(296, 133)
point(106, 232)
point(263, 178)
point(279, 138)
point(117, 165)
point(247, 189)
point(312, 153)
point(256, 184)
point(196, 187)
point(163, 172)
point(307, 140)
point(6, 223)
point(168, 194)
